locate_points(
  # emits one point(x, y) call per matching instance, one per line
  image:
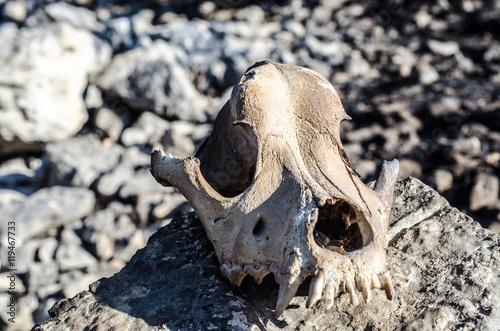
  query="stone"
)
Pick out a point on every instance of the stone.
point(109, 122)
point(444, 48)
point(103, 246)
point(20, 174)
point(109, 184)
point(93, 97)
point(78, 17)
point(46, 209)
point(446, 271)
point(99, 233)
point(484, 191)
point(15, 10)
point(147, 130)
point(79, 161)
point(25, 254)
point(442, 180)
point(76, 281)
point(46, 249)
point(25, 306)
point(181, 137)
point(29, 85)
point(41, 274)
point(427, 73)
point(197, 39)
point(10, 197)
point(71, 256)
point(155, 78)
point(8, 283)
point(130, 246)
point(409, 167)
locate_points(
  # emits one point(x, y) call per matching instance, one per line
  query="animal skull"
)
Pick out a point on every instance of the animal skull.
point(275, 191)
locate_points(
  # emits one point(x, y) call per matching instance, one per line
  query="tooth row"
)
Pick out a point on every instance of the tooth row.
point(236, 274)
point(318, 290)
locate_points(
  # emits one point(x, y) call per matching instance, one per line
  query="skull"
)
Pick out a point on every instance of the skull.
point(275, 192)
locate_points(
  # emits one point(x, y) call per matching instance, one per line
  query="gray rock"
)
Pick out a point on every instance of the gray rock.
point(155, 78)
point(126, 250)
point(20, 174)
point(79, 161)
point(25, 254)
point(99, 233)
point(197, 40)
point(445, 266)
point(46, 249)
point(54, 79)
point(47, 209)
point(79, 17)
point(442, 180)
point(445, 48)
point(109, 122)
point(41, 274)
point(484, 191)
point(73, 256)
point(181, 137)
point(93, 97)
point(10, 197)
point(25, 305)
point(427, 73)
point(493, 53)
point(110, 183)
point(15, 10)
point(147, 130)
point(9, 283)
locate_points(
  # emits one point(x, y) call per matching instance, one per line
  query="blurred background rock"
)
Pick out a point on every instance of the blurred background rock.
point(89, 87)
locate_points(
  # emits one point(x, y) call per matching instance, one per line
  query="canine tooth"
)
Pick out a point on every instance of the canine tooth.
point(366, 288)
point(350, 288)
point(315, 289)
point(330, 295)
point(386, 282)
point(258, 274)
point(234, 274)
point(376, 281)
point(288, 288)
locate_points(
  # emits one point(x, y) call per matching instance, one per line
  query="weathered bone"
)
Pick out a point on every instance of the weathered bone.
point(275, 192)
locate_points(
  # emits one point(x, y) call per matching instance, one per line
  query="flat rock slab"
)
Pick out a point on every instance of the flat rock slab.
point(445, 266)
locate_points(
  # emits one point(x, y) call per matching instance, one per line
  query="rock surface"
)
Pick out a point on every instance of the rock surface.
point(32, 85)
point(155, 78)
point(445, 266)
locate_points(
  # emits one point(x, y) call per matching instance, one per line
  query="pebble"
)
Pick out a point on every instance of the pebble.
point(484, 191)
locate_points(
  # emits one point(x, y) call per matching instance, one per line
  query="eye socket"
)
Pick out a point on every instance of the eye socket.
point(340, 229)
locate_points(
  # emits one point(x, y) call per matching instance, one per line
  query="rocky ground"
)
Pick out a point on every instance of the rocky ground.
point(89, 87)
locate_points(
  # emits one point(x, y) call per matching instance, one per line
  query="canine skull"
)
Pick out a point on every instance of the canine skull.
point(275, 191)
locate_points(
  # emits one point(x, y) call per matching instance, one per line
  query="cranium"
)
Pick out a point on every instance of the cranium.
point(275, 191)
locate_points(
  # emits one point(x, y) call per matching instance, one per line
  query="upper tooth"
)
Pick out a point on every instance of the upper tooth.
point(386, 283)
point(257, 273)
point(288, 288)
point(234, 274)
point(276, 271)
point(366, 288)
point(350, 288)
point(316, 289)
point(330, 294)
